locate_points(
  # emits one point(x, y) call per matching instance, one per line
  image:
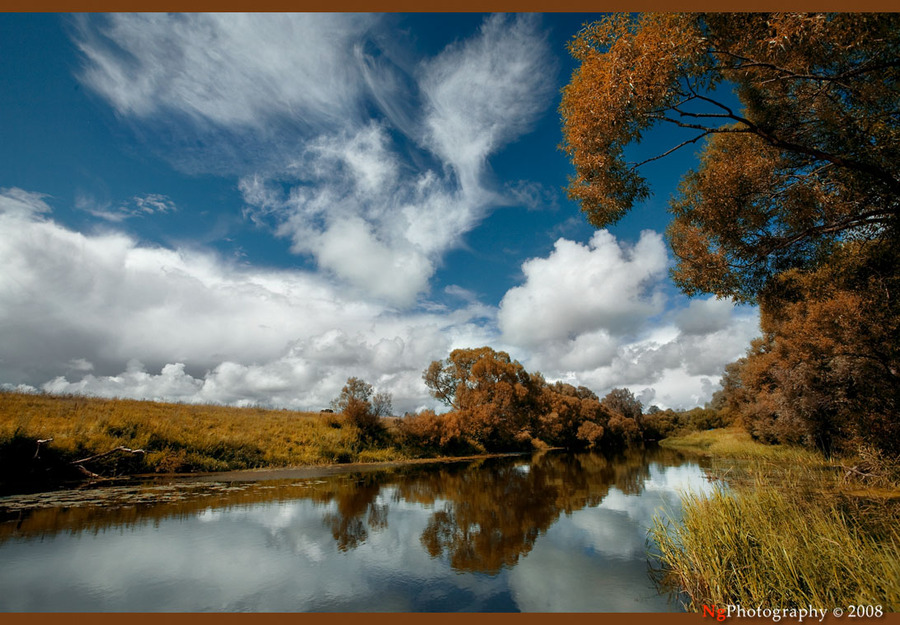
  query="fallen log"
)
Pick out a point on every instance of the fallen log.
point(79, 464)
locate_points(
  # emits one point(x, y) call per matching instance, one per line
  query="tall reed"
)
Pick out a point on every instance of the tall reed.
point(785, 535)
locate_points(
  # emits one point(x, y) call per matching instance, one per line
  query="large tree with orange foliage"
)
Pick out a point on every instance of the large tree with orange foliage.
point(808, 158)
point(794, 204)
point(826, 371)
point(492, 396)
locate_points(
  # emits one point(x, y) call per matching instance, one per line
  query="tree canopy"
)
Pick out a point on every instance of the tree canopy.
point(808, 160)
point(362, 406)
point(497, 404)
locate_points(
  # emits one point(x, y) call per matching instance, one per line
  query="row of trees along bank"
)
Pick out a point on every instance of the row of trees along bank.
point(496, 405)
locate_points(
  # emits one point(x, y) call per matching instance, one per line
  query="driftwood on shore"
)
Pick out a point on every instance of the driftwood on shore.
point(79, 464)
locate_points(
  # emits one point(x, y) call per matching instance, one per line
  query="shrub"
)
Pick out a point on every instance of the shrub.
point(433, 433)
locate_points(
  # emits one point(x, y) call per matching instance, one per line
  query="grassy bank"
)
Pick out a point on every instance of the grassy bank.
point(173, 437)
point(734, 442)
point(785, 527)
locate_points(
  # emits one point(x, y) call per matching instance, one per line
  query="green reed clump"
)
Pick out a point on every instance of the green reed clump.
point(785, 538)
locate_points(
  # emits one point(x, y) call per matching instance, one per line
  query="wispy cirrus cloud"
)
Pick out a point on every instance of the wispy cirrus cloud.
point(233, 70)
point(380, 164)
point(137, 206)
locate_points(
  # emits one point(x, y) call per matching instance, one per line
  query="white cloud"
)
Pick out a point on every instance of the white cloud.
point(595, 315)
point(195, 328)
point(138, 206)
point(601, 286)
point(75, 308)
point(227, 68)
point(704, 316)
point(382, 222)
point(22, 204)
point(153, 203)
point(352, 251)
point(485, 92)
point(289, 99)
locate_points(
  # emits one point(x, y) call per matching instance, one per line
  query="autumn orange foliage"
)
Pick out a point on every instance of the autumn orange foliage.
point(496, 404)
point(794, 204)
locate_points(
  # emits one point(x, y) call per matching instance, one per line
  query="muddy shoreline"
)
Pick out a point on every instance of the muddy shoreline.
point(247, 475)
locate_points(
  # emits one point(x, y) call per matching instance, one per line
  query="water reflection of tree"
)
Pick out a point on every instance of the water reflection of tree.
point(487, 513)
point(491, 518)
point(355, 501)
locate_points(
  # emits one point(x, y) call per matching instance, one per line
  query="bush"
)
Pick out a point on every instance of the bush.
point(360, 408)
point(434, 433)
point(361, 414)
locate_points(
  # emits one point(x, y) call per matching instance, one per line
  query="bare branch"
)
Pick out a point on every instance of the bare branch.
point(41, 441)
point(669, 151)
point(108, 453)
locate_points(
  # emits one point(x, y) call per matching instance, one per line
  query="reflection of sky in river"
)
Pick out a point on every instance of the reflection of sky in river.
point(282, 556)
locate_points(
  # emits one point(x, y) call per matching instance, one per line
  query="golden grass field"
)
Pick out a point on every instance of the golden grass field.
point(175, 437)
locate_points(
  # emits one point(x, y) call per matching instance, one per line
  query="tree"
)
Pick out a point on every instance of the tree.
point(826, 371)
point(357, 403)
point(623, 402)
point(382, 404)
point(809, 159)
point(354, 389)
point(568, 416)
point(492, 395)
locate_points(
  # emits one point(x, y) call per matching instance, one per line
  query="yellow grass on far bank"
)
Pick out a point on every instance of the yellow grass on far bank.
point(177, 437)
point(735, 442)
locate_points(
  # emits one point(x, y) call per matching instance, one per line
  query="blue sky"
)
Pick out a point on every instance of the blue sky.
point(249, 209)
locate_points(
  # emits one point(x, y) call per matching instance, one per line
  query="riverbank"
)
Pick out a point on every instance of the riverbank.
point(784, 527)
point(48, 440)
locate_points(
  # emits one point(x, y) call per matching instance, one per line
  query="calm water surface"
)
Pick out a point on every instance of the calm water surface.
point(553, 532)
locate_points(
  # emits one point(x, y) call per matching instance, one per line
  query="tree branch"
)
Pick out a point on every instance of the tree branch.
point(892, 183)
point(41, 441)
point(107, 453)
point(667, 152)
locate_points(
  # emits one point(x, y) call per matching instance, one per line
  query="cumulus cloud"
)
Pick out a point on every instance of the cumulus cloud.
point(599, 287)
point(597, 315)
point(78, 309)
point(704, 316)
point(100, 314)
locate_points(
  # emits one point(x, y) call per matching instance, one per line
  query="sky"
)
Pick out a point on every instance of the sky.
point(250, 209)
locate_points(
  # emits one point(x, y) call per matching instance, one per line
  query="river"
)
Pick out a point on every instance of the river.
point(549, 532)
